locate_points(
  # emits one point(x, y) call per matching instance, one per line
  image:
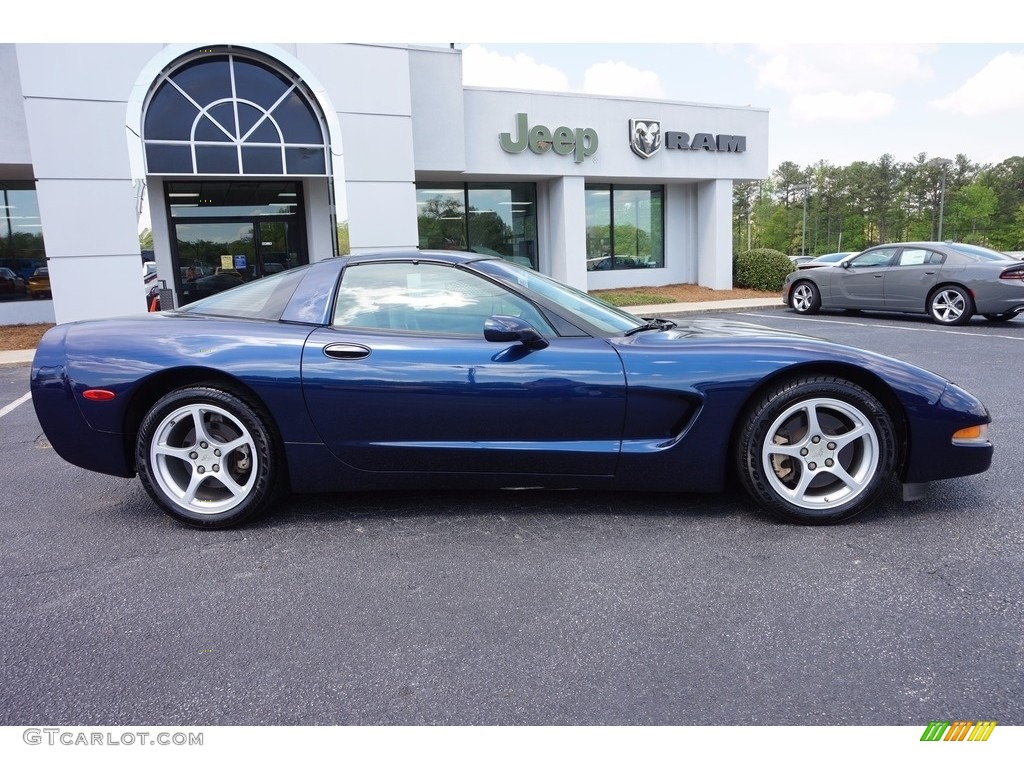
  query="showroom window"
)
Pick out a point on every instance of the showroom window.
point(625, 227)
point(493, 219)
point(231, 114)
point(21, 229)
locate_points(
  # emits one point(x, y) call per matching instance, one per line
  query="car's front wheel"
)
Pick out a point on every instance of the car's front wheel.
point(1001, 317)
point(816, 450)
point(805, 298)
point(207, 457)
point(950, 305)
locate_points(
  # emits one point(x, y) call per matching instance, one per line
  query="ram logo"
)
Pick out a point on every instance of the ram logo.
point(644, 137)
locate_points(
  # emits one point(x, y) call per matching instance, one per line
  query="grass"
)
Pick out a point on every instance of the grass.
point(633, 298)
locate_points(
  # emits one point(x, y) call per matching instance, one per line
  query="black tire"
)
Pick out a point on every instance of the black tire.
point(208, 458)
point(783, 455)
point(805, 298)
point(1002, 317)
point(950, 305)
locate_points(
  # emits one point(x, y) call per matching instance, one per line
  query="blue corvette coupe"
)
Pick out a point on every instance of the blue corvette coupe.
point(433, 369)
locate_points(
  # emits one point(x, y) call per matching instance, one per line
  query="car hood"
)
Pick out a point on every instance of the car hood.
point(710, 328)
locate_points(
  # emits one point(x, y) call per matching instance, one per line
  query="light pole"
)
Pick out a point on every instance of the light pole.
point(942, 163)
point(803, 235)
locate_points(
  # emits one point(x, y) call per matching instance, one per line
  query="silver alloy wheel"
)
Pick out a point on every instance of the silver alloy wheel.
point(820, 453)
point(949, 305)
point(204, 458)
point(803, 298)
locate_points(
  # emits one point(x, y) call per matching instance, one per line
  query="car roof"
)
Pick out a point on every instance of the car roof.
point(409, 254)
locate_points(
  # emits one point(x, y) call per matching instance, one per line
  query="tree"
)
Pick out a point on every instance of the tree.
point(970, 212)
point(343, 243)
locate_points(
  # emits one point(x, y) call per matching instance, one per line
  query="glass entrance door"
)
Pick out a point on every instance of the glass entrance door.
point(278, 247)
point(214, 256)
point(228, 233)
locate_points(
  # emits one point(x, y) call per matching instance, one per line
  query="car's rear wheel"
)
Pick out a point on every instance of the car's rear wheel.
point(207, 457)
point(1002, 317)
point(816, 450)
point(950, 305)
point(805, 299)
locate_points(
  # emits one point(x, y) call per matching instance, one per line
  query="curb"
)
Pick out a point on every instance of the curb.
point(16, 357)
point(704, 306)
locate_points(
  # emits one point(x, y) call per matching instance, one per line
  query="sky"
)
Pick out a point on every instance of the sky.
point(837, 103)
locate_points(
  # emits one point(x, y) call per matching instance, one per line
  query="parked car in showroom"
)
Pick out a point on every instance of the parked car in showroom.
point(425, 369)
point(39, 284)
point(825, 260)
point(11, 283)
point(949, 282)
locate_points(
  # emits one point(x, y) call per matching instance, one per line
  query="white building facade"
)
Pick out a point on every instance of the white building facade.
point(243, 159)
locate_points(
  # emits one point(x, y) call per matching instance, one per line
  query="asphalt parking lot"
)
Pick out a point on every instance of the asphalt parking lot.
point(524, 608)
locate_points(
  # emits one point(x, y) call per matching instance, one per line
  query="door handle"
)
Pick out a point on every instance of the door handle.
point(346, 351)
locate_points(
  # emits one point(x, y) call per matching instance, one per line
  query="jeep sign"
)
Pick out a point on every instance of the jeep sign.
point(579, 142)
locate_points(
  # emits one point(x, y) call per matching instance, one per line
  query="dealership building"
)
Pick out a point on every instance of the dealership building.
point(243, 159)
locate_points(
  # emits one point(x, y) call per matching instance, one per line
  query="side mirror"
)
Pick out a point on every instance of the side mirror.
point(504, 328)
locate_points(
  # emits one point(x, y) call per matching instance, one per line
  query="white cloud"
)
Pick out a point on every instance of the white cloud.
point(847, 107)
point(797, 69)
point(997, 88)
point(616, 78)
point(488, 69)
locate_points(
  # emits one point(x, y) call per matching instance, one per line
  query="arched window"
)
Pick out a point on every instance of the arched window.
point(230, 114)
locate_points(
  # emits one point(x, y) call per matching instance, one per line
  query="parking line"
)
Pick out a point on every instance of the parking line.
point(889, 327)
point(8, 408)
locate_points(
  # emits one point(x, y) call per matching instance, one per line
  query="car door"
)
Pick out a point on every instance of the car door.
point(404, 380)
point(910, 278)
point(859, 283)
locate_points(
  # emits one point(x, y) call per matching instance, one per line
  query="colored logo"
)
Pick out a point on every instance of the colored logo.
point(958, 730)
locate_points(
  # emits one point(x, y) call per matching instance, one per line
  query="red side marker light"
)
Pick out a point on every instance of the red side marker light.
point(98, 394)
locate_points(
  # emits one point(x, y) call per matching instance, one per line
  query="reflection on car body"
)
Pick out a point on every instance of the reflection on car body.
point(428, 369)
point(950, 282)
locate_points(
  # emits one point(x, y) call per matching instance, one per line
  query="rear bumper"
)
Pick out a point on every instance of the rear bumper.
point(62, 421)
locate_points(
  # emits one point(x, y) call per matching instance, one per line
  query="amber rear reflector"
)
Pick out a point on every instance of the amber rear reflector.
point(98, 394)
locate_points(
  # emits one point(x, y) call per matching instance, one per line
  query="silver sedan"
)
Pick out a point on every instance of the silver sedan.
point(950, 282)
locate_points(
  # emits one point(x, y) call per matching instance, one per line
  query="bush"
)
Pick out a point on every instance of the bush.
point(762, 269)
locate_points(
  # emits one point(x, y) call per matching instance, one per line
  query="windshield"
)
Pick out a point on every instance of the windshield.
point(598, 313)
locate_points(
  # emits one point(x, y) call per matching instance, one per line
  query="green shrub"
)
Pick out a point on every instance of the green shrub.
point(762, 269)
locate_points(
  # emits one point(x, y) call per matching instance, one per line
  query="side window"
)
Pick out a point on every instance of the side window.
point(913, 257)
point(879, 257)
point(425, 298)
